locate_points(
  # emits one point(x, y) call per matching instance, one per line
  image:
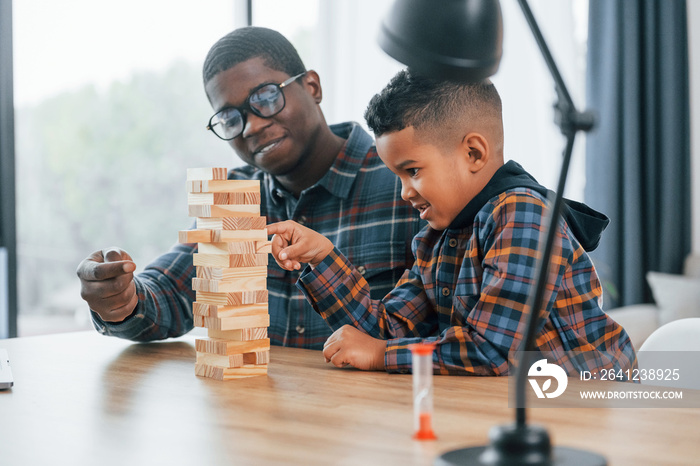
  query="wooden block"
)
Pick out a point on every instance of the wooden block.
point(263, 247)
point(213, 310)
point(223, 186)
point(233, 360)
point(243, 334)
point(222, 198)
point(235, 247)
point(232, 299)
point(226, 362)
point(227, 274)
point(224, 249)
point(220, 373)
point(232, 323)
point(195, 236)
point(235, 311)
point(231, 260)
point(221, 236)
point(227, 347)
point(194, 186)
point(207, 173)
point(201, 310)
point(226, 210)
point(232, 223)
point(220, 286)
point(258, 357)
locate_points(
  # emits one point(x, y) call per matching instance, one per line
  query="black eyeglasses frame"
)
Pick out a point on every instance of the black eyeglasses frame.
point(246, 107)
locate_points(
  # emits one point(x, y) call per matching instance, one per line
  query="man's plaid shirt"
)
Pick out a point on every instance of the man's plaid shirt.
point(468, 290)
point(357, 205)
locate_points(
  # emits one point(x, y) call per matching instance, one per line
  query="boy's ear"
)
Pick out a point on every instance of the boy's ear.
point(476, 150)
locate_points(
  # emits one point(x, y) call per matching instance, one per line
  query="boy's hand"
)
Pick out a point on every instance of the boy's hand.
point(348, 345)
point(294, 244)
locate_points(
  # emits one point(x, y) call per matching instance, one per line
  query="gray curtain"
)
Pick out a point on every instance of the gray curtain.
point(638, 156)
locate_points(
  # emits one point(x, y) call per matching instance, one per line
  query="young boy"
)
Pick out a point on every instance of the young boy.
point(475, 261)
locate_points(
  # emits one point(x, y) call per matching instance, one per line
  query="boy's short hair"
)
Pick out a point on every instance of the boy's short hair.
point(431, 105)
point(250, 42)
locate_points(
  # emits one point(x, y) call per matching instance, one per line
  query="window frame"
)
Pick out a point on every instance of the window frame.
point(8, 235)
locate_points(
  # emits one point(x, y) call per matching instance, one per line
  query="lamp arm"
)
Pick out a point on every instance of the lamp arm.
point(537, 298)
point(567, 118)
point(570, 121)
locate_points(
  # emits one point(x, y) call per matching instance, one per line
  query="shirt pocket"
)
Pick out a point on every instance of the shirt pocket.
point(463, 303)
point(381, 264)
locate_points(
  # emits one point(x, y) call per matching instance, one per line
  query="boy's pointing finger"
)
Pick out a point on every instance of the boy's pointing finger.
point(280, 228)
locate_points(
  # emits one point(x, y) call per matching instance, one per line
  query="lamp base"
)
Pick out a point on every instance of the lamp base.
point(519, 445)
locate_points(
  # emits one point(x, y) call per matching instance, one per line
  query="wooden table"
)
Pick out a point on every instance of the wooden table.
point(86, 399)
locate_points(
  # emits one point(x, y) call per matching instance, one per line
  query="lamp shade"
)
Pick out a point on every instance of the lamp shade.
point(450, 39)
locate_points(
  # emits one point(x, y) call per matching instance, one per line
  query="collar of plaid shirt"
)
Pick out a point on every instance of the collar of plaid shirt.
point(340, 177)
point(586, 224)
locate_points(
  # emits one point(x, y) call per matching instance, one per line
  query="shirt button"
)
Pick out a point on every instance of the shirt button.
point(445, 291)
point(300, 329)
point(302, 220)
point(453, 242)
point(362, 270)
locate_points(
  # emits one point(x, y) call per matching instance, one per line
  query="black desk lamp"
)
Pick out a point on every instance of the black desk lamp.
point(462, 40)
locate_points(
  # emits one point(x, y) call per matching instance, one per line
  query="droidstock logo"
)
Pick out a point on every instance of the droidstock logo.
point(543, 370)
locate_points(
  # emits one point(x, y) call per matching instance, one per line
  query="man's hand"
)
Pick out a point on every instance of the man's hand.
point(107, 283)
point(350, 346)
point(294, 244)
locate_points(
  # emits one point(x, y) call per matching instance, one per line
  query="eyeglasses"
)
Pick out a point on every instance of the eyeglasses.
point(265, 101)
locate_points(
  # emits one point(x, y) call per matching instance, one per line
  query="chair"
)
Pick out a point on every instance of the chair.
point(672, 347)
point(677, 335)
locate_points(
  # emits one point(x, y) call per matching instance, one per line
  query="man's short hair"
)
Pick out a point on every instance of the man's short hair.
point(251, 42)
point(430, 104)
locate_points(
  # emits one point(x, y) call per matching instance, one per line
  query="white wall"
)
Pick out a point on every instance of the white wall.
point(694, 53)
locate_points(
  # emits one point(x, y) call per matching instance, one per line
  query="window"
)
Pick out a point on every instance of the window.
point(109, 112)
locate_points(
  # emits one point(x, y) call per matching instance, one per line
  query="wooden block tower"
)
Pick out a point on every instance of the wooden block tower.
point(230, 283)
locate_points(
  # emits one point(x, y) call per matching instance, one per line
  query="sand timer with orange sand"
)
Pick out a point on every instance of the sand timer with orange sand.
point(422, 360)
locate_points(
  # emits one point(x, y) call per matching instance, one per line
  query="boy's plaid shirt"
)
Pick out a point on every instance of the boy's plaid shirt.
point(357, 205)
point(468, 290)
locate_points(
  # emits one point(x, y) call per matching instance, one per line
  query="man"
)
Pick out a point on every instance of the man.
point(329, 178)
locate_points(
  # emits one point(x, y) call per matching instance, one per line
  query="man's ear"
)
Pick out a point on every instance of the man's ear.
point(312, 84)
point(476, 150)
